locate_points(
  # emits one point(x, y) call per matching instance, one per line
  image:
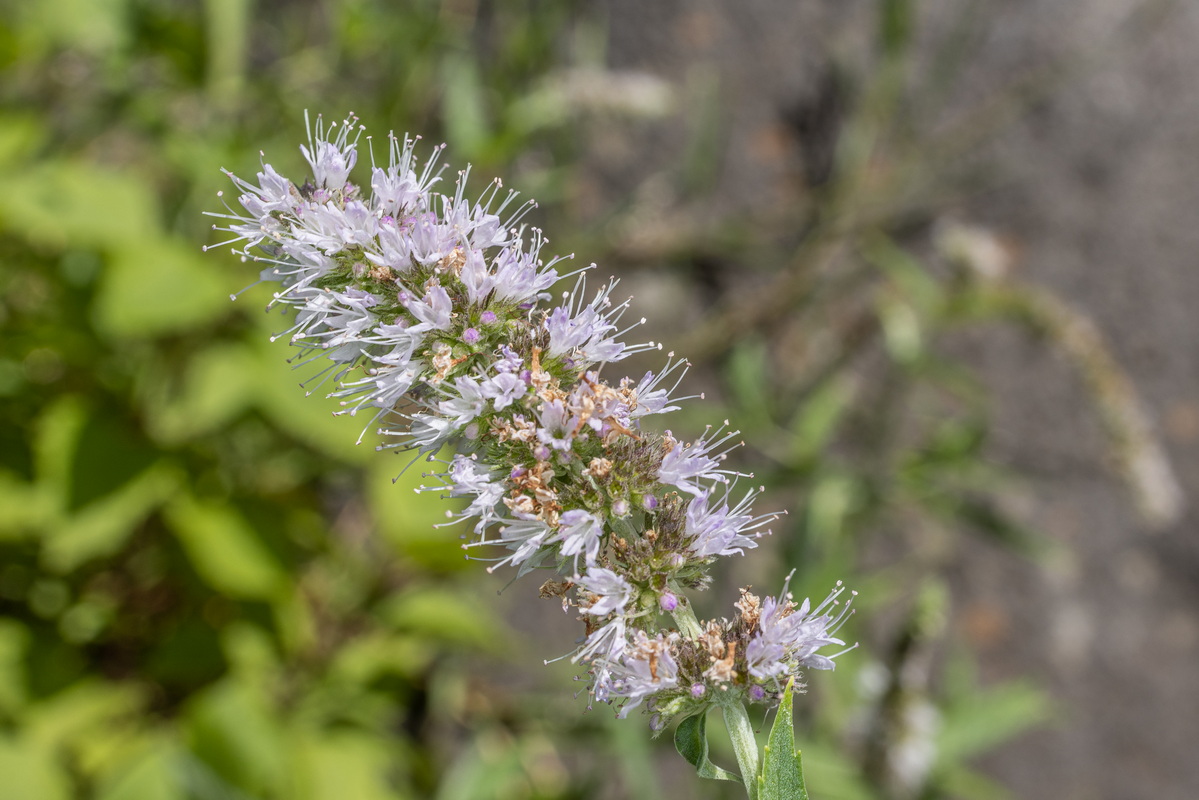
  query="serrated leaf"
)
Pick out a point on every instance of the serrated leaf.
point(782, 773)
point(691, 740)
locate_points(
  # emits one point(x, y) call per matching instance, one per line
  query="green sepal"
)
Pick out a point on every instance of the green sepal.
point(782, 773)
point(691, 740)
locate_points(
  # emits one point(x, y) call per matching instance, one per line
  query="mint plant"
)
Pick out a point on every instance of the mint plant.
point(431, 314)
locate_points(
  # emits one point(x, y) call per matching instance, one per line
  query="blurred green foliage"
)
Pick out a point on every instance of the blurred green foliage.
point(208, 592)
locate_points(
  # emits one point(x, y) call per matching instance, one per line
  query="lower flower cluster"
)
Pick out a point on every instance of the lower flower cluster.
point(431, 312)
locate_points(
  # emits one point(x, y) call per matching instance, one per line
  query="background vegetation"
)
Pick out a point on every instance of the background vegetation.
point(209, 593)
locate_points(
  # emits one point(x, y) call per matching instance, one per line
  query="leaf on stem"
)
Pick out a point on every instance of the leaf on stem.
point(691, 740)
point(782, 773)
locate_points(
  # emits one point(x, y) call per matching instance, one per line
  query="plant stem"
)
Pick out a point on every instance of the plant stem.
point(744, 745)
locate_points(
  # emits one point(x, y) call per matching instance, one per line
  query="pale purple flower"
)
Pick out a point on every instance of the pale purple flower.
point(331, 162)
point(647, 667)
point(556, 430)
point(651, 398)
point(504, 389)
point(429, 432)
point(789, 636)
point(713, 529)
point(580, 533)
point(467, 404)
point(524, 537)
point(433, 310)
point(518, 273)
point(510, 360)
point(688, 464)
point(683, 464)
point(611, 591)
point(582, 331)
point(343, 260)
point(393, 248)
point(467, 477)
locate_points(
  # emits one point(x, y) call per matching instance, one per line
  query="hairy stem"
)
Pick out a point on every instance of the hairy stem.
point(744, 745)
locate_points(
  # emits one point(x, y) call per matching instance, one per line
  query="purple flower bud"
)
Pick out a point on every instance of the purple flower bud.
point(668, 602)
point(676, 560)
point(470, 336)
point(541, 453)
point(698, 690)
point(487, 317)
point(516, 473)
point(650, 502)
point(620, 508)
point(757, 693)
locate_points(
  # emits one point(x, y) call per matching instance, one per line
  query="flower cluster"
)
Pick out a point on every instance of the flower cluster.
point(432, 313)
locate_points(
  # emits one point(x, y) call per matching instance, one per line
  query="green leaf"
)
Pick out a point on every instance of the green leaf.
point(108, 454)
point(217, 385)
point(14, 645)
point(74, 202)
point(445, 615)
point(151, 775)
point(782, 773)
point(343, 764)
point(408, 520)
point(225, 551)
point(749, 370)
point(105, 525)
point(154, 286)
point(691, 740)
point(310, 419)
point(818, 420)
point(30, 771)
point(232, 729)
